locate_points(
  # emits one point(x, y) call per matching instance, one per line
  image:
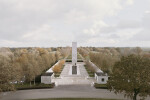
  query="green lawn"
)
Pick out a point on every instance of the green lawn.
point(100, 86)
point(91, 74)
point(78, 56)
point(74, 99)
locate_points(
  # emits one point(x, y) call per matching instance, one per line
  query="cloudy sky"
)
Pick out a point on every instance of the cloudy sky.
point(100, 23)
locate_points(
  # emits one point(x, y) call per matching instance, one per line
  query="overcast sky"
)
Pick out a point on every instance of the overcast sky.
point(52, 23)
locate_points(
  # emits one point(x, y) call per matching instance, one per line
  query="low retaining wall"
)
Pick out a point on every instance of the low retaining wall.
point(95, 67)
point(101, 79)
point(51, 69)
point(48, 79)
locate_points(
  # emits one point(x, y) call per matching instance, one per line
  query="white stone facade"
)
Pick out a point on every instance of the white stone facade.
point(74, 53)
point(101, 79)
point(46, 79)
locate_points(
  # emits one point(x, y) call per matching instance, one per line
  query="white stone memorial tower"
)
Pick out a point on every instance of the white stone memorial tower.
point(74, 53)
point(74, 57)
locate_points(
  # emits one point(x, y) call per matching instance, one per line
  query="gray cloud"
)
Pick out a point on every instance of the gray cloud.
point(57, 22)
point(144, 34)
point(114, 36)
point(125, 24)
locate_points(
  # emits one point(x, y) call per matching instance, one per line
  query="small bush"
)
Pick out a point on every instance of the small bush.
point(37, 86)
point(68, 60)
point(56, 69)
point(100, 86)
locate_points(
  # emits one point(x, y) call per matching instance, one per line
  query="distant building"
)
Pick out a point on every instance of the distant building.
point(101, 77)
point(46, 78)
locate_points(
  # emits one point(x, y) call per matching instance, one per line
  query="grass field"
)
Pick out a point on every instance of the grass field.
point(91, 74)
point(100, 86)
point(74, 99)
point(78, 56)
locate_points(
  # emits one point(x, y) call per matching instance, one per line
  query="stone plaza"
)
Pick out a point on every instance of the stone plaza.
point(74, 73)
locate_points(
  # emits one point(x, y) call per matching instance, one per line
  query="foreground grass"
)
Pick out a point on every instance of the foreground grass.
point(74, 99)
point(100, 86)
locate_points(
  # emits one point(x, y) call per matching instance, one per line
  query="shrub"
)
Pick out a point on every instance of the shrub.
point(100, 86)
point(56, 69)
point(61, 63)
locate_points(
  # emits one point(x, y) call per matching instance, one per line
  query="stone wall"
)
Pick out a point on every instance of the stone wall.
point(46, 79)
point(101, 79)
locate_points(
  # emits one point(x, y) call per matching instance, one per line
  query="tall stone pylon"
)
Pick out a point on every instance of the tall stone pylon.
point(74, 57)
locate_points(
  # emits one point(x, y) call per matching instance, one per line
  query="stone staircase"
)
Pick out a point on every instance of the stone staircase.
point(67, 79)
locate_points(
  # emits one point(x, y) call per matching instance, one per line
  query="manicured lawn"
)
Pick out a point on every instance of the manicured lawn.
point(78, 56)
point(75, 99)
point(68, 60)
point(69, 57)
point(100, 86)
point(91, 74)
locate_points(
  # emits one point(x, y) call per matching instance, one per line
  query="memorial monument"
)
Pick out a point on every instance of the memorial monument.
point(74, 57)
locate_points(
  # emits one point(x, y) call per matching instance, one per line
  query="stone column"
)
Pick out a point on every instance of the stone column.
point(74, 57)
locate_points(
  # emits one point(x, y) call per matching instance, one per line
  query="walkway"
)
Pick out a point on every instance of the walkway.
point(67, 79)
point(64, 91)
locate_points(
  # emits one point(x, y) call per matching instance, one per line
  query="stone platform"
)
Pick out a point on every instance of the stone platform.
point(66, 78)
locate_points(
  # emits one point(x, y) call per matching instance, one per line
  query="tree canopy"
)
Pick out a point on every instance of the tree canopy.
point(20, 65)
point(131, 76)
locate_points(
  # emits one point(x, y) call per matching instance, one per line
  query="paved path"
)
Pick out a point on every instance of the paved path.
point(64, 91)
point(67, 79)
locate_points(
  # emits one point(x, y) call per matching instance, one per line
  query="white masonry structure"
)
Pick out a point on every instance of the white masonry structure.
point(74, 58)
point(74, 53)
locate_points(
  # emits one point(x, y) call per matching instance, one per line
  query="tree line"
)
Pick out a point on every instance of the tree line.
point(105, 58)
point(128, 69)
point(23, 65)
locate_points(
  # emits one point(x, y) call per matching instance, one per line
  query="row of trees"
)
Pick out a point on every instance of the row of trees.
point(57, 68)
point(84, 52)
point(89, 66)
point(105, 58)
point(6, 74)
point(19, 65)
point(104, 61)
point(32, 64)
